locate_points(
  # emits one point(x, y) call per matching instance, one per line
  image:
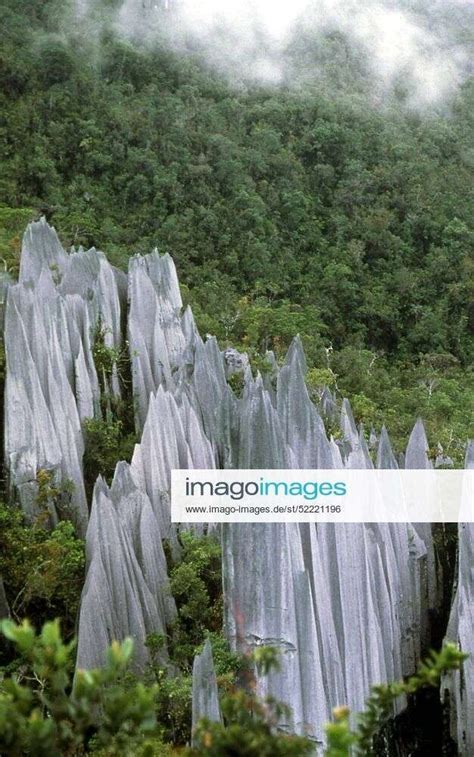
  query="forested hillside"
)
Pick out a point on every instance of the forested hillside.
point(307, 206)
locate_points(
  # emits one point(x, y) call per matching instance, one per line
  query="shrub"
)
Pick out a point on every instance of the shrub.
point(343, 741)
point(51, 713)
point(196, 585)
point(43, 571)
point(105, 444)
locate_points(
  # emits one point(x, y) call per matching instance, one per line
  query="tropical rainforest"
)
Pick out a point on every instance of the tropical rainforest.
point(303, 206)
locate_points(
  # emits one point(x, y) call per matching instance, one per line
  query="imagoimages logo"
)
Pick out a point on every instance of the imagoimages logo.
point(237, 490)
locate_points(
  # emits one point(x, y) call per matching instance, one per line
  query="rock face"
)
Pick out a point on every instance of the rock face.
point(126, 592)
point(346, 597)
point(346, 605)
point(155, 329)
point(52, 385)
point(172, 438)
point(458, 688)
point(205, 694)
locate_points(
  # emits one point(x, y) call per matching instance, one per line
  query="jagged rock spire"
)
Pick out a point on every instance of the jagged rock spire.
point(385, 456)
point(205, 694)
point(458, 687)
point(126, 591)
point(52, 384)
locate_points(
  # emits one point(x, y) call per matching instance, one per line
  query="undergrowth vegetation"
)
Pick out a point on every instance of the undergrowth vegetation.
point(47, 710)
point(42, 570)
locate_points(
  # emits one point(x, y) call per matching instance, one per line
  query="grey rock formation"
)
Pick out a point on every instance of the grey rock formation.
point(362, 611)
point(156, 332)
point(42, 423)
point(172, 438)
point(303, 426)
point(126, 591)
point(416, 456)
point(346, 605)
point(5, 282)
point(41, 250)
point(328, 405)
point(52, 384)
point(234, 361)
point(385, 457)
point(205, 694)
point(458, 687)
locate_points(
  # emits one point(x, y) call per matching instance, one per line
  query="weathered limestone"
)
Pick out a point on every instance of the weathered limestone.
point(126, 591)
point(52, 384)
point(369, 584)
point(214, 397)
point(346, 605)
point(458, 688)
point(42, 423)
point(234, 361)
point(5, 282)
point(172, 438)
point(327, 404)
point(41, 250)
point(304, 428)
point(411, 573)
point(205, 694)
point(155, 331)
point(416, 456)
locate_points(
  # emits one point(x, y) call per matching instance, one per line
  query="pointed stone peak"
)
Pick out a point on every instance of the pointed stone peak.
point(123, 483)
point(348, 425)
point(41, 248)
point(469, 462)
point(188, 323)
point(205, 694)
point(416, 455)
point(100, 486)
point(385, 457)
point(296, 356)
point(328, 404)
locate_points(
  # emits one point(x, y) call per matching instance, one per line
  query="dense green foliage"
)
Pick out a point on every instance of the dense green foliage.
point(357, 216)
point(315, 212)
point(434, 387)
point(46, 710)
point(106, 444)
point(43, 574)
point(43, 570)
point(12, 224)
point(111, 437)
point(196, 585)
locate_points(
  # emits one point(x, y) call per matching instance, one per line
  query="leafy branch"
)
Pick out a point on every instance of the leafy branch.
point(342, 741)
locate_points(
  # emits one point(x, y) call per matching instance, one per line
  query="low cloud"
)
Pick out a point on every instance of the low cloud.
point(418, 45)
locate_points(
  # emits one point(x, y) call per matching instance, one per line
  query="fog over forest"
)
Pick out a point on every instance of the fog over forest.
point(418, 45)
